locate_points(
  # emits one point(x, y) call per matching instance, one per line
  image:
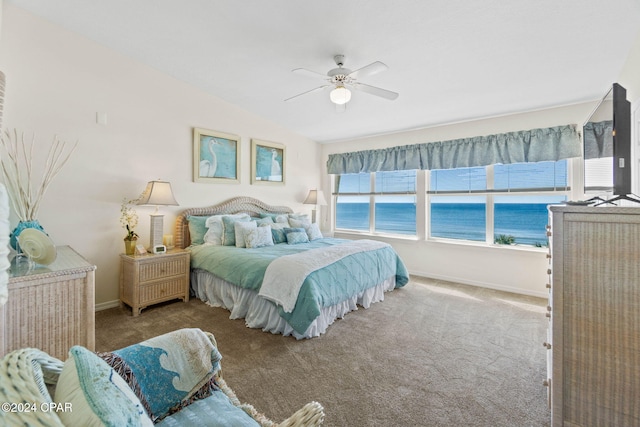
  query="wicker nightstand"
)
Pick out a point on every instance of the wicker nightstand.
point(150, 279)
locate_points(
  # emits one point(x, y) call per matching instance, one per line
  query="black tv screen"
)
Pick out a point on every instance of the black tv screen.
point(607, 145)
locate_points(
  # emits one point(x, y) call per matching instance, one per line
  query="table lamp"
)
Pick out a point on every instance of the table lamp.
point(315, 197)
point(157, 193)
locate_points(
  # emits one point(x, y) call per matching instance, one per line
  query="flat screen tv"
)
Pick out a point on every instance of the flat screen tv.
point(607, 146)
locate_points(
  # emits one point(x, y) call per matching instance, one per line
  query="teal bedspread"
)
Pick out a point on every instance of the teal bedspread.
point(322, 288)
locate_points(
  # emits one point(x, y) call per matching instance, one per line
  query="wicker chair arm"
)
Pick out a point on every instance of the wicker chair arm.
point(310, 415)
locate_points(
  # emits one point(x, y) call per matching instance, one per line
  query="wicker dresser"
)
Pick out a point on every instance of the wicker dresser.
point(51, 307)
point(594, 311)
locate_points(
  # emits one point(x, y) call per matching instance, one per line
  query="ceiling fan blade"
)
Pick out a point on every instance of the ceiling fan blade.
point(309, 91)
point(309, 73)
point(369, 70)
point(387, 94)
point(341, 108)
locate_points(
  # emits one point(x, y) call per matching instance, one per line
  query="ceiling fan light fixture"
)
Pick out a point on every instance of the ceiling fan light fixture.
point(340, 95)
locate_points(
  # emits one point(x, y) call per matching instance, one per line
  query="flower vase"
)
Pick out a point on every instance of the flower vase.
point(129, 246)
point(23, 225)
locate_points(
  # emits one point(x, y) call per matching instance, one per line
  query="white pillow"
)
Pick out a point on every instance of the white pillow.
point(98, 395)
point(299, 223)
point(259, 237)
point(241, 230)
point(313, 231)
point(213, 236)
point(282, 219)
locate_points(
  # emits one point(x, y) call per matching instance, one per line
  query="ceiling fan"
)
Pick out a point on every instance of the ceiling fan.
point(343, 79)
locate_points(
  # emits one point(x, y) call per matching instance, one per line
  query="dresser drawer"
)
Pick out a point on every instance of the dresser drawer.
point(167, 267)
point(163, 290)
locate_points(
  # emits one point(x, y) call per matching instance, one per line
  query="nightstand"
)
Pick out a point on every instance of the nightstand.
point(153, 278)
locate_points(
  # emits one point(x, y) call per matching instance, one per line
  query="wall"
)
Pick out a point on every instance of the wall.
point(56, 83)
point(511, 269)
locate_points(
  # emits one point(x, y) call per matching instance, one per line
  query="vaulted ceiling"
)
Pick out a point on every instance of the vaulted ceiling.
point(450, 61)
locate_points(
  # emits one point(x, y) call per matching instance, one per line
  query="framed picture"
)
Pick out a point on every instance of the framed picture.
point(216, 157)
point(268, 162)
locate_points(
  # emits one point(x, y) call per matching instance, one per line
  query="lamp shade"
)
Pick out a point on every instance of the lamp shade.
point(158, 193)
point(340, 95)
point(315, 197)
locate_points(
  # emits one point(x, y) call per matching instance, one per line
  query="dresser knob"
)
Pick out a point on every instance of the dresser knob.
point(548, 271)
point(548, 256)
point(547, 345)
point(545, 383)
point(548, 285)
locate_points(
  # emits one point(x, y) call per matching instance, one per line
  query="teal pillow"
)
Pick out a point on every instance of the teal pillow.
point(216, 410)
point(98, 395)
point(260, 221)
point(277, 218)
point(197, 228)
point(277, 232)
point(229, 225)
point(296, 235)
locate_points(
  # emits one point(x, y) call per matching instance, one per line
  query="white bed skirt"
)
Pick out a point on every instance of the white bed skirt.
point(261, 313)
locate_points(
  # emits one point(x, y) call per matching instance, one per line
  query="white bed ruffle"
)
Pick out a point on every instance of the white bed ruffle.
point(261, 313)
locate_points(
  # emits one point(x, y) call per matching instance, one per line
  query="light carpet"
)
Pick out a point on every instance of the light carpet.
point(433, 353)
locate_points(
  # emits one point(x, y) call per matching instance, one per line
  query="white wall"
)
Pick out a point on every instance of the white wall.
point(512, 269)
point(56, 83)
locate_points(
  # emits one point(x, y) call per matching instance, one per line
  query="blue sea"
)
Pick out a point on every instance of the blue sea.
point(526, 222)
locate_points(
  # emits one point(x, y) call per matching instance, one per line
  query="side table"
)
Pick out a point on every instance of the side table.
point(153, 278)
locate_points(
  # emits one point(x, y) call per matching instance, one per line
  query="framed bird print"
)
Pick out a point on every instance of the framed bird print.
point(216, 157)
point(268, 162)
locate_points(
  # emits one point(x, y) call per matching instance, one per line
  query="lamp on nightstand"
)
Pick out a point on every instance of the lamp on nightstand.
point(315, 197)
point(157, 193)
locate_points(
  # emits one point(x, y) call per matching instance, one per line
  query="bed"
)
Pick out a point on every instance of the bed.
point(275, 270)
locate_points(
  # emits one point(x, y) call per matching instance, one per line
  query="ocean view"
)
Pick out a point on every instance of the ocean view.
point(524, 221)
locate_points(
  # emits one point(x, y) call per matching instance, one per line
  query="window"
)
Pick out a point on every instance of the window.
point(503, 204)
point(381, 202)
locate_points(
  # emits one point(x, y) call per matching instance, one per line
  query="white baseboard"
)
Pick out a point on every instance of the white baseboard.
point(480, 284)
point(108, 304)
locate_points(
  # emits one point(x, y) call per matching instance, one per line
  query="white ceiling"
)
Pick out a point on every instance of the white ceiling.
point(451, 61)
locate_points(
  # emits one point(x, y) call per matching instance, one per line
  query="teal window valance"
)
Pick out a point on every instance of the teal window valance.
point(598, 139)
point(535, 145)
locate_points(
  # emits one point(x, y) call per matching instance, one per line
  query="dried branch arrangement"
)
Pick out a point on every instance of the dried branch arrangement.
point(16, 160)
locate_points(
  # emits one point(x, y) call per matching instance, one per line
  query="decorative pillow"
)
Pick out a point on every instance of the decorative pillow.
point(241, 229)
point(215, 229)
point(297, 223)
point(259, 237)
point(197, 229)
point(313, 231)
point(301, 220)
point(277, 233)
point(277, 218)
point(217, 410)
point(229, 222)
point(296, 235)
point(172, 367)
point(266, 220)
point(98, 395)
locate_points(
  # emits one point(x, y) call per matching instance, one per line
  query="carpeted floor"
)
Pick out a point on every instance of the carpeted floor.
point(432, 354)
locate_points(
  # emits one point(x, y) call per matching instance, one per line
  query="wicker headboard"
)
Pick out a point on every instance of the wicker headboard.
point(253, 207)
